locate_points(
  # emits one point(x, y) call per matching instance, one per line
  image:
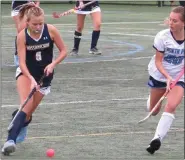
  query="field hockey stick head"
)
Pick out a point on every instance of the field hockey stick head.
point(56, 15)
point(68, 12)
point(144, 119)
point(155, 107)
point(141, 121)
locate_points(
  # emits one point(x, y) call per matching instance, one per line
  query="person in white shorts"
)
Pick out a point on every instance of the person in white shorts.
point(95, 12)
point(164, 68)
point(20, 25)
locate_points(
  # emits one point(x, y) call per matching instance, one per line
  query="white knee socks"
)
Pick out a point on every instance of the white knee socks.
point(164, 125)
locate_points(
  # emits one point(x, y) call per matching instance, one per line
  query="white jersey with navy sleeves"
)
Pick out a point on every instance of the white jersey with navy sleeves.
point(173, 60)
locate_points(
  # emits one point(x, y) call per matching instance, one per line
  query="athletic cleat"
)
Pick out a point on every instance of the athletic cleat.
point(74, 52)
point(16, 60)
point(154, 146)
point(95, 51)
point(22, 135)
point(8, 147)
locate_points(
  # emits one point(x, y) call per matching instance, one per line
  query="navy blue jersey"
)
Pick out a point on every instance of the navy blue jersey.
point(89, 7)
point(182, 3)
point(16, 4)
point(39, 53)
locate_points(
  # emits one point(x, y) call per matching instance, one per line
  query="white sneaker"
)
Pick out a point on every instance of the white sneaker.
point(8, 147)
point(74, 52)
point(95, 51)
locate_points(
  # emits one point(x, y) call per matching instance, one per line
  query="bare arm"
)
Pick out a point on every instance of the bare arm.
point(21, 47)
point(159, 65)
point(59, 43)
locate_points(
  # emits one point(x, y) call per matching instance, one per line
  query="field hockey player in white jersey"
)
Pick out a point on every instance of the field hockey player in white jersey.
point(163, 68)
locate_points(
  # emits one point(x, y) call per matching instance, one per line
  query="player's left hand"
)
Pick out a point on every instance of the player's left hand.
point(49, 69)
point(169, 82)
point(81, 5)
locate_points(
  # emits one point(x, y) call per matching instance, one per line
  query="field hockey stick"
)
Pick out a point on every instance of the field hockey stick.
point(163, 97)
point(58, 15)
point(26, 101)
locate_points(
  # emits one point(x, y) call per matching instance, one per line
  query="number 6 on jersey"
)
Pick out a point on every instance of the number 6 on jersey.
point(38, 56)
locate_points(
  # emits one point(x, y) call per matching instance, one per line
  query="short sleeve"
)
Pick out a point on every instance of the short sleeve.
point(159, 43)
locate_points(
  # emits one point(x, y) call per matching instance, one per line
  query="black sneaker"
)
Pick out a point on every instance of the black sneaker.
point(154, 146)
point(95, 51)
point(74, 52)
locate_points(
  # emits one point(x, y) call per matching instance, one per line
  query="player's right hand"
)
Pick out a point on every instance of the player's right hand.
point(169, 82)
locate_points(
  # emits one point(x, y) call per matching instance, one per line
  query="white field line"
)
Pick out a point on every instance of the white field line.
point(100, 134)
point(78, 102)
point(94, 78)
point(104, 23)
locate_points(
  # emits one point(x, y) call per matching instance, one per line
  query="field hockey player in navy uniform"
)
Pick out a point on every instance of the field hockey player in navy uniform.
point(35, 51)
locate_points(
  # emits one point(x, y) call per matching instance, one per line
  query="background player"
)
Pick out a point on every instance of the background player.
point(20, 25)
point(95, 12)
